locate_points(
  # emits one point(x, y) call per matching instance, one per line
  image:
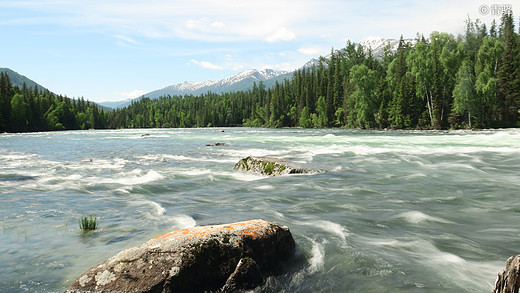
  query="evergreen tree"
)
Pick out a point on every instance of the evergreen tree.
point(493, 29)
point(396, 78)
point(5, 102)
point(508, 86)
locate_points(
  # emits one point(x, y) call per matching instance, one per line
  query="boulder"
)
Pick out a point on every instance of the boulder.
point(508, 280)
point(216, 144)
point(225, 258)
point(247, 275)
point(269, 166)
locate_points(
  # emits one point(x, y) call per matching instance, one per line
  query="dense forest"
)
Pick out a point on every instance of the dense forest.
point(27, 109)
point(440, 82)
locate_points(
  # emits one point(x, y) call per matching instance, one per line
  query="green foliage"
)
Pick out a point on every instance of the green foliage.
point(464, 94)
point(268, 168)
point(19, 115)
point(487, 63)
point(28, 109)
point(305, 118)
point(321, 113)
point(88, 223)
point(363, 97)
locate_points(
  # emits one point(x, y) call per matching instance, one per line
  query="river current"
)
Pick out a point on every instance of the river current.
point(394, 211)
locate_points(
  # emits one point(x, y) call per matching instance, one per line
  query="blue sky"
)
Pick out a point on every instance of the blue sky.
point(109, 50)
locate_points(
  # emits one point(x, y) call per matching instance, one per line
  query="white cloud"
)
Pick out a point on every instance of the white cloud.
point(249, 20)
point(130, 95)
point(310, 51)
point(218, 24)
point(128, 42)
point(281, 34)
point(204, 24)
point(207, 65)
point(126, 39)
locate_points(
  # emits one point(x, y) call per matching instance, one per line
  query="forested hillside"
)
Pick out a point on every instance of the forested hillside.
point(441, 82)
point(27, 109)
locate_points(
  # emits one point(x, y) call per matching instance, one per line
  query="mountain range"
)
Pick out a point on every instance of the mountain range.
point(246, 79)
point(239, 82)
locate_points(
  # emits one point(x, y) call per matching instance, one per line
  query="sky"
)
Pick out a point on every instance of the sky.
point(112, 50)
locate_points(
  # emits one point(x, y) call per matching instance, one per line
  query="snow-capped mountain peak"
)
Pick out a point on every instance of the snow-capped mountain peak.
point(253, 74)
point(241, 81)
point(375, 42)
point(188, 86)
point(378, 44)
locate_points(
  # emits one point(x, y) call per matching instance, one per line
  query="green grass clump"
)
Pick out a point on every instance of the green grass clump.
point(88, 223)
point(269, 168)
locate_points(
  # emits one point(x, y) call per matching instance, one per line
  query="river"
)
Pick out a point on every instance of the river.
point(394, 211)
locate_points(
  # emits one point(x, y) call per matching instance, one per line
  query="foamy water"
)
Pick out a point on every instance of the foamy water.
point(396, 211)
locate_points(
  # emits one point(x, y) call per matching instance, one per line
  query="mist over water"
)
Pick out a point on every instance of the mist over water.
point(395, 211)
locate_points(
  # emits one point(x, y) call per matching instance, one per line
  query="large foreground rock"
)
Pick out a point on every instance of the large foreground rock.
point(269, 166)
point(508, 280)
point(219, 258)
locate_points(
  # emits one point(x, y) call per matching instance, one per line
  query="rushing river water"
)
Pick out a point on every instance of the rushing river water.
point(395, 211)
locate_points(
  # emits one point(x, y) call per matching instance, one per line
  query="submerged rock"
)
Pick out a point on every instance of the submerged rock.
point(508, 280)
point(225, 258)
point(217, 144)
point(269, 166)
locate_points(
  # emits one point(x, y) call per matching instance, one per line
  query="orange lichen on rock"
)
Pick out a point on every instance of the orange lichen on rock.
point(253, 228)
point(211, 253)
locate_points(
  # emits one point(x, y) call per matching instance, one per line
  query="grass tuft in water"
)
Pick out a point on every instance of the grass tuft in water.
point(88, 223)
point(269, 168)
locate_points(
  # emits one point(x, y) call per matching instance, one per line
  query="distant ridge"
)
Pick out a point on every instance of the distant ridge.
point(239, 82)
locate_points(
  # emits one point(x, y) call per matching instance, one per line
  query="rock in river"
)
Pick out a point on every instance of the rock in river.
point(225, 258)
point(269, 166)
point(216, 144)
point(508, 280)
